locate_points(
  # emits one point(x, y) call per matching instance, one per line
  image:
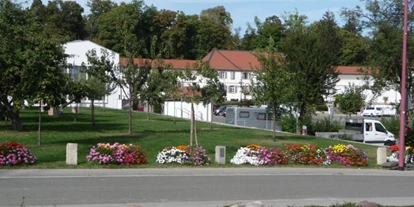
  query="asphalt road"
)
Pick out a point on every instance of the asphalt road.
point(203, 187)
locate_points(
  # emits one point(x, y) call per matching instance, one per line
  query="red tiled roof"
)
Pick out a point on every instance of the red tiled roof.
point(175, 64)
point(350, 70)
point(231, 60)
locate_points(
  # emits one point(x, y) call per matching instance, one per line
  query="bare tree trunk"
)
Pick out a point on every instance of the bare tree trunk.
point(192, 125)
point(76, 112)
point(130, 112)
point(274, 123)
point(174, 111)
point(195, 133)
point(148, 111)
point(9, 113)
point(211, 116)
point(93, 112)
point(39, 130)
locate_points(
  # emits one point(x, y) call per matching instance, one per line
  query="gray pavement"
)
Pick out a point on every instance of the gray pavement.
point(203, 187)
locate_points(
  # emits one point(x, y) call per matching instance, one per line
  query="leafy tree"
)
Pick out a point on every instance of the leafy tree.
point(384, 20)
point(96, 89)
point(97, 8)
point(352, 99)
point(272, 81)
point(213, 90)
point(65, 18)
point(354, 48)
point(311, 57)
point(31, 64)
point(271, 27)
point(219, 15)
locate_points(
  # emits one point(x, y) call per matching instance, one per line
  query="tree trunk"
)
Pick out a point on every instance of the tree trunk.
point(211, 116)
point(174, 111)
point(301, 117)
point(274, 123)
point(130, 117)
point(192, 125)
point(93, 112)
point(148, 113)
point(9, 113)
point(39, 130)
point(195, 133)
point(76, 111)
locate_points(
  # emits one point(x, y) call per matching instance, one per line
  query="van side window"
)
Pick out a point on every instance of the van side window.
point(368, 127)
point(244, 114)
point(380, 128)
point(261, 116)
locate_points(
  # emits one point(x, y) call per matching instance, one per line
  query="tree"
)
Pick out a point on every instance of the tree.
point(219, 15)
point(384, 20)
point(271, 27)
point(352, 99)
point(213, 91)
point(97, 8)
point(31, 64)
point(311, 58)
point(271, 83)
point(96, 89)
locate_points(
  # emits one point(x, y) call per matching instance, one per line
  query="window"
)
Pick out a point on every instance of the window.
point(244, 114)
point(380, 128)
point(264, 116)
point(232, 89)
point(232, 75)
point(368, 127)
point(245, 75)
point(77, 73)
point(222, 75)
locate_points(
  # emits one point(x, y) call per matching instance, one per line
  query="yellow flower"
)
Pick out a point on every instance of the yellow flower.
point(339, 148)
point(253, 146)
point(304, 147)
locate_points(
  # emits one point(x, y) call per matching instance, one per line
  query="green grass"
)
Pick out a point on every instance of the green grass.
point(152, 135)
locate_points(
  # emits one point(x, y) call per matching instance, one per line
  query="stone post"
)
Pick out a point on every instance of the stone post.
point(220, 154)
point(72, 154)
point(381, 155)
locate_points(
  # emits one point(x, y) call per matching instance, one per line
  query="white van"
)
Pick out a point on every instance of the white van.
point(379, 110)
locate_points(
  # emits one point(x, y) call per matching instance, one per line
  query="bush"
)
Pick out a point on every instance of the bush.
point(392, 124)
point(324, 125)
point(321, 107)
point(184, 155)
point(14, 153)
point(288, 123)
point(347, 155)
point(117, 154)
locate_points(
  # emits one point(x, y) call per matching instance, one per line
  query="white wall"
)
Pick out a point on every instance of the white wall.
point(77, 56)
point(393, 95)
point(183, 110)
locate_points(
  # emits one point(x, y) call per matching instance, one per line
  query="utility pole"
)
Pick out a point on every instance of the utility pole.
point(401, 157)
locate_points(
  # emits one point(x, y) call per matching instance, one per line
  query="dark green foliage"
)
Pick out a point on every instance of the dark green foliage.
point(351, 100)
point(288, 123)
point(324, 125)
point(321, 107)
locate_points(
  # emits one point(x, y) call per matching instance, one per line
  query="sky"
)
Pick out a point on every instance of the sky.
point(244, 11)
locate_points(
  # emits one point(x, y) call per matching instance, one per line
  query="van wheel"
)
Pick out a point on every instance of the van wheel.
point(388, 143)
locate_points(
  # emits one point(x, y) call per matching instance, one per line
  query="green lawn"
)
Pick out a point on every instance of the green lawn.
point(152, 135)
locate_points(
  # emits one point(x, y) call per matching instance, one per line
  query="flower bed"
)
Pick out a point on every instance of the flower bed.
point(183, 155)
point(300, 154)
point(14, 153)
point(394, 157)
point(117, 154)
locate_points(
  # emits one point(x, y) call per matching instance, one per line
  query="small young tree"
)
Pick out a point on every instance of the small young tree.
point(352, 99)
point(213, 91)
point(270, 83)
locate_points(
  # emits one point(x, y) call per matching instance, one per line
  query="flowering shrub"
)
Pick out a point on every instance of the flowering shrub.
point(183, 155)
point(394, 157)
point(258, 155)
point(300, 154)
point(14, 153)
point(272, 156)
point(117, 153)
point(173, 154)
point(245, 156)
point(347, 155)
point(306, 154)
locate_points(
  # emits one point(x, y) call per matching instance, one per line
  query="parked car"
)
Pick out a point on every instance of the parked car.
point(221, 111)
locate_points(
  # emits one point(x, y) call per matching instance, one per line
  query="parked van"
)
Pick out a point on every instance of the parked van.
point(379, 110)
point(363, 130)
point(250, 117)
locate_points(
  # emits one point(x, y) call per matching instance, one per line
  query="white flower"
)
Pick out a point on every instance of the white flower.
point(245, 156)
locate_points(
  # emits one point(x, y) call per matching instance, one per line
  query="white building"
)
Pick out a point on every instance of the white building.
point(234, 69)
point(77, 57)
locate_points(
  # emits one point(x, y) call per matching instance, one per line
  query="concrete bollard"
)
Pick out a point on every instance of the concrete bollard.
point(72, 154)
point(381, 155)
point(221, 154)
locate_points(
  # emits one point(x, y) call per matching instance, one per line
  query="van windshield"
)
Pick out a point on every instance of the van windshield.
point(370, 108)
